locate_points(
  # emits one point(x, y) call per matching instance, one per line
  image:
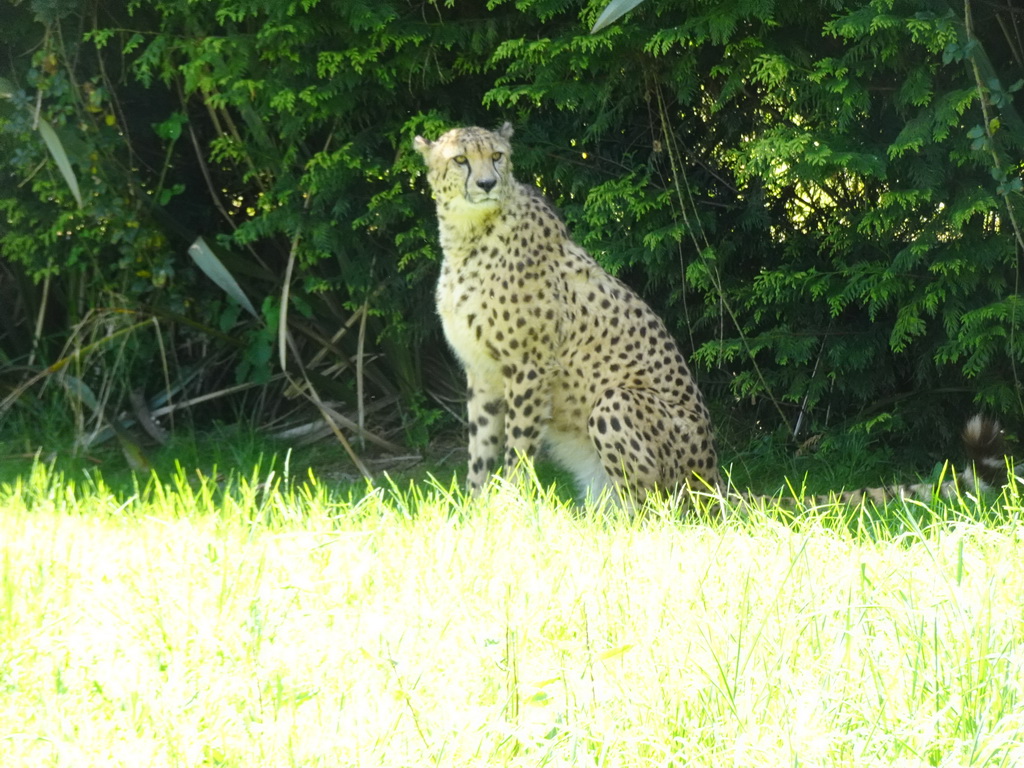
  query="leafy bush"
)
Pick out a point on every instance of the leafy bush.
point(822, 198)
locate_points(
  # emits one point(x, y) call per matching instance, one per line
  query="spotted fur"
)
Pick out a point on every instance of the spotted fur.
point(557, 351)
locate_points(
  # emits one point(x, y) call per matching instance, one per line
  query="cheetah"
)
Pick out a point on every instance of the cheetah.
point(556, 351)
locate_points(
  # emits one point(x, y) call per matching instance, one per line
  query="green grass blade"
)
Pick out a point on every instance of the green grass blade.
point(612, 12)
point(53, 144)
point(82, 391)
point(214, 268)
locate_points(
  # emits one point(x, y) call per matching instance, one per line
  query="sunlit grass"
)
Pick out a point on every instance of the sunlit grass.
point(264, 621)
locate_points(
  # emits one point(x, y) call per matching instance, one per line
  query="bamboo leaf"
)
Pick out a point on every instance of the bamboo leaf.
point(82, 391)
point(613, 12)
point(53, 144)
point(214, 268)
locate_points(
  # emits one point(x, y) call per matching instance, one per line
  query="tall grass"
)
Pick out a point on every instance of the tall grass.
point(266, 621)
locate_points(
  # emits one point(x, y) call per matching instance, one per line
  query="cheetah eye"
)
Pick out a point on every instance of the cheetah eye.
point(497, 156)
point(461, 159)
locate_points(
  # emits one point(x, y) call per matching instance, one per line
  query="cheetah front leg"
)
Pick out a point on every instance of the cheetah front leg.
point(528, 402)
point(486, 412)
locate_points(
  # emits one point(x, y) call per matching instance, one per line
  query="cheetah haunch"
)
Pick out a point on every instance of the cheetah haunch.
point(559, 352)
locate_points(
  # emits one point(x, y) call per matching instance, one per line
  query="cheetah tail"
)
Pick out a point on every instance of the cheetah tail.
point(986, 451)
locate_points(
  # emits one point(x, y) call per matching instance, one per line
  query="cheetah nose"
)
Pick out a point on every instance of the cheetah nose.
point(486, 184)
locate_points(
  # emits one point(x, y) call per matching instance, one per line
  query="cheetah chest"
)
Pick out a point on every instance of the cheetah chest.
point(497, 318)
point(462, 305)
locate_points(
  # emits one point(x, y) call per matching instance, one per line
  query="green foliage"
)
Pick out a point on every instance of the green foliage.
point(821, 198)
point(867, 250)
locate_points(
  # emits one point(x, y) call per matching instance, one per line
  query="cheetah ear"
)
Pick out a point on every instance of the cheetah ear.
point(506, 131)
point(421, 145)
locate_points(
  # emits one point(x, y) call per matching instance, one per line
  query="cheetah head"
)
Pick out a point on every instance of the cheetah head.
point(469, 169)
